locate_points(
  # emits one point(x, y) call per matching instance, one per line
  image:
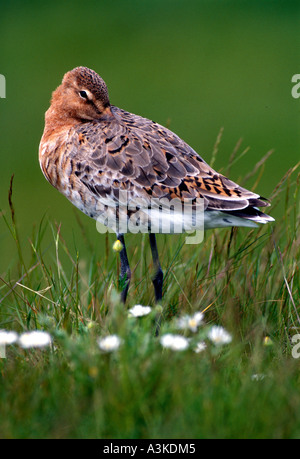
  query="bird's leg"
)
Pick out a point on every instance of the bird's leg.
point(125, 274)
point(158, 276)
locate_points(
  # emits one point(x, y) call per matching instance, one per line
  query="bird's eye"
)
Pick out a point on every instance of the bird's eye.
point(83, 94)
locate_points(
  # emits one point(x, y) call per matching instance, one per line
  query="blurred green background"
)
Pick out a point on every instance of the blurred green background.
point(192, 64)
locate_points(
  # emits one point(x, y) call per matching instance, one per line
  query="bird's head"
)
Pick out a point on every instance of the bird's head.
point(82, 95)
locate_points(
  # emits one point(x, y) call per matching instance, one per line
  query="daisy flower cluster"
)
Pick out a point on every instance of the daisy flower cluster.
point(215, 334)
point(190, 324)
point(35, 338)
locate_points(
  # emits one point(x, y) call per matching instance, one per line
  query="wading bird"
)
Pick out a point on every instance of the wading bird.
point(91, 151)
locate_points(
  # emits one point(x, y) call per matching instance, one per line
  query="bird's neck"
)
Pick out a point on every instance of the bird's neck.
point(57, 122)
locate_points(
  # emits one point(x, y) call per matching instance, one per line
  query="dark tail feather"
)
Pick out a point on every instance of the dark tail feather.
point(252, 213)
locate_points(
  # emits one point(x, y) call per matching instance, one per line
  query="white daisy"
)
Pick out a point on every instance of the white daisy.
point(7, 337)
point(174, 342)
point(35, 338)
point(191, 322)
point(218, 335)
point(258, 377)
point(200, 347)
point(138, 310)
point(109, 343)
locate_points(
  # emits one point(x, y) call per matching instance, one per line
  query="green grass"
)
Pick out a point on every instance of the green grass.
point(245, 280)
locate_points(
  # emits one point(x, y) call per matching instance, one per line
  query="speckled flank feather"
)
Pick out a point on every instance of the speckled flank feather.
point(91, 149)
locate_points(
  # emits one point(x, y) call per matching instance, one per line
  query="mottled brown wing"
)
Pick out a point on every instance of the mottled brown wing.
point(128, 152)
